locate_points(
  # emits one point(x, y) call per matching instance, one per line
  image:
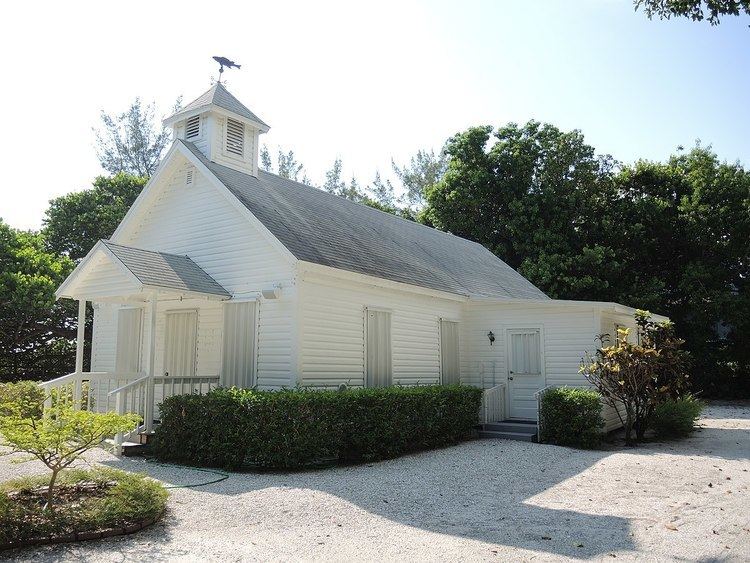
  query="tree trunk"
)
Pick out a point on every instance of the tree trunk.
point(50, 490)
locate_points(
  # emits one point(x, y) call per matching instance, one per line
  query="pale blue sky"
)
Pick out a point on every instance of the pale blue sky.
point(366, 82)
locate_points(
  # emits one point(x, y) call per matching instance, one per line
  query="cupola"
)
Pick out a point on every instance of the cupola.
point(222, 128)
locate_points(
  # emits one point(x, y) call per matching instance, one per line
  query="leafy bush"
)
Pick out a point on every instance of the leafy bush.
point(571, 417)
point(124, 499)
point(294, 428)
point(27, 394)
point(57, 436)
point(639, 377)
point(676, 418)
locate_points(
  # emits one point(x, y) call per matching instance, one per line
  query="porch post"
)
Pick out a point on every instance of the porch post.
point(149, 406)
point(80, 339)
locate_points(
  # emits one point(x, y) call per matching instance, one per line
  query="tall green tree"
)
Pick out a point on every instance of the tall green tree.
point(423, 170)
point(685, 244)
point(132, 142)
point(696, 10)
point(535, 196)
point(287, 165)
point(36, 332)
point(671, 237)
point(73, 223)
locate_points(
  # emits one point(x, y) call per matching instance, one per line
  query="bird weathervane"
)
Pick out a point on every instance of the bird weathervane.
point(225, 62)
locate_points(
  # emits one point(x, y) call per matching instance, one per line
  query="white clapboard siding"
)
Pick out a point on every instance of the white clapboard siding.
point(567, 333)
point(276, 341)
point(332, 339)
point(109, 278)
point(198, 221)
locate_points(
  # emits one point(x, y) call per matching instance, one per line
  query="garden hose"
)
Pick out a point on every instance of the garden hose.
point(222, 475)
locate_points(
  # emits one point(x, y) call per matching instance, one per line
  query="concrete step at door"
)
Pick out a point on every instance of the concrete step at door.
point(519, 436)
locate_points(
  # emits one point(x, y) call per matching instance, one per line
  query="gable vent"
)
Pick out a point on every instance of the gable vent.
point(189, 177)
point(193, 127)
point(235, 136)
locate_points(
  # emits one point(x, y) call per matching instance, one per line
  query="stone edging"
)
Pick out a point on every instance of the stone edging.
point(84, 536)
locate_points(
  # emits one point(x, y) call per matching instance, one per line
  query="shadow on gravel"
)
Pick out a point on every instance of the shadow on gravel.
point(480, 490)
point(448, 492)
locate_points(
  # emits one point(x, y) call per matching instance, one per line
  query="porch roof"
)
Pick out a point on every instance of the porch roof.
point(115, 270)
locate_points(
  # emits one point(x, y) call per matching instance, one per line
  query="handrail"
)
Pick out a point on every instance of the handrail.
point(129, 384)
point(493, 403)
point(88, 376)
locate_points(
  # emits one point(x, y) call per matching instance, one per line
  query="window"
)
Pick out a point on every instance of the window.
point(449, 352)
point(235, 137)
point(379, 368)
point(525, 353)
point(193, 127)
point(238, 358)
point(128, 351)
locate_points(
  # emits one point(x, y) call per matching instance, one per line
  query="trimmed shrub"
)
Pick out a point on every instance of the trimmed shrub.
point(296, 428)
point(571, 417)
point(676, 418)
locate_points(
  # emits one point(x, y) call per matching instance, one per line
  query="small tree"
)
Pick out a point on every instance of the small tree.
point(59, 436)
point(639, 377)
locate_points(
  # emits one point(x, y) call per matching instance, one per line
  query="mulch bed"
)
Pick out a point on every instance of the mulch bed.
point(69, 498)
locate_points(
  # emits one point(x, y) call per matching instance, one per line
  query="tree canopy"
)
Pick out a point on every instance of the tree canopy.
point(696, 10)
point(74, 223)
point(132, 142)
point(670, 237)
point(36, 331)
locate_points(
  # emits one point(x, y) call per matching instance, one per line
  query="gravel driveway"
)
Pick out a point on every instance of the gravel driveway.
point(481, 500)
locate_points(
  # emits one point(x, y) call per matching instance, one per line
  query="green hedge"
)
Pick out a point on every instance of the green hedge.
point(676, 418)
point(296, 428)
point(571, 417)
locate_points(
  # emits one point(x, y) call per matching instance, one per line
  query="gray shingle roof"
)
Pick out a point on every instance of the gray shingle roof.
point(220, 96)
point(170, 271)
point(325, 229)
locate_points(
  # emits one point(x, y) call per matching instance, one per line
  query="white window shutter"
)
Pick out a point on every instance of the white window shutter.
point(128, 353)
point(181, 339)
point(238, 358)
point(379, 356)
point(449, 359)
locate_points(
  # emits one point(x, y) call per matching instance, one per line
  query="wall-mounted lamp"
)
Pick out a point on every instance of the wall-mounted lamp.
point(491, 336)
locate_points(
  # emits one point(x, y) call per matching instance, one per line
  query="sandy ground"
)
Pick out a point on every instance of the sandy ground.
point(484, 500)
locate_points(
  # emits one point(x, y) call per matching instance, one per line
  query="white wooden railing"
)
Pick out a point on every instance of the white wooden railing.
point(133, 397)
point(122, 393)
point(82, 389)
point(493, 404)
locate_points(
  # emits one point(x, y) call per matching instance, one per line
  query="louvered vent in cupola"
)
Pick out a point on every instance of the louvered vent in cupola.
point(193, 127)
point(189, 176)
point(235, 137)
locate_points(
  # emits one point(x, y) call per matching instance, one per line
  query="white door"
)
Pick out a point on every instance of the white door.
point(181, 333)
point(525, 373)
